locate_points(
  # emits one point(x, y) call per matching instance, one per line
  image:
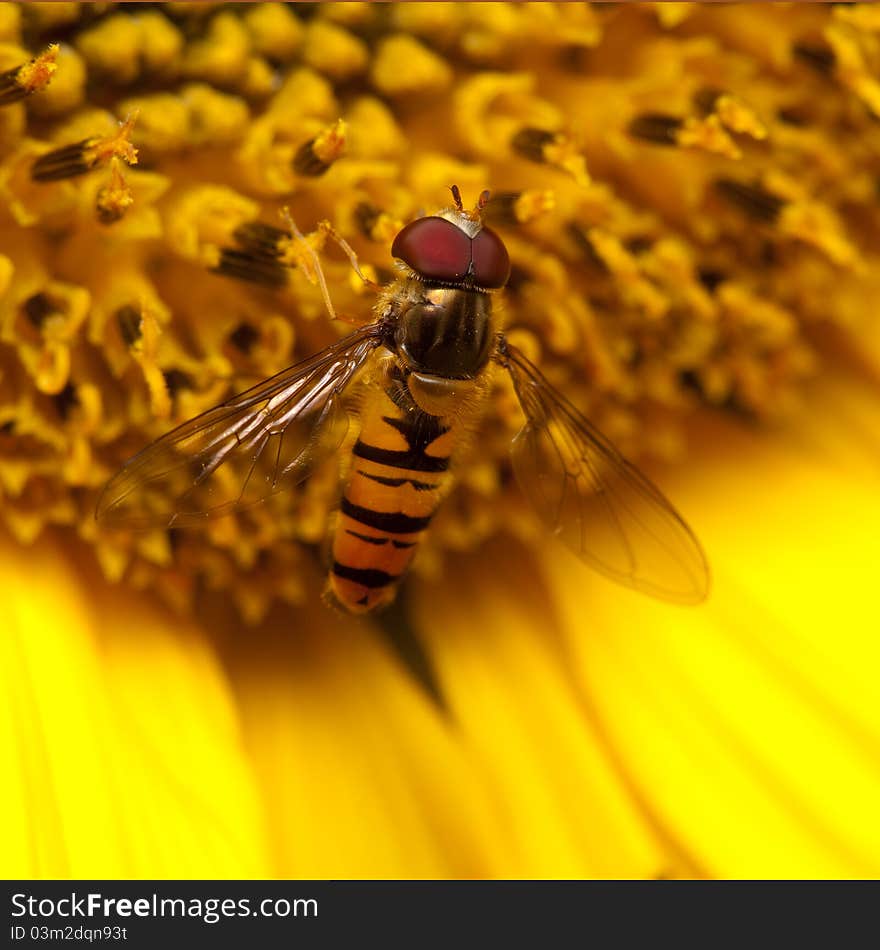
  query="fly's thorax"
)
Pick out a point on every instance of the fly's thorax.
point(445, 332)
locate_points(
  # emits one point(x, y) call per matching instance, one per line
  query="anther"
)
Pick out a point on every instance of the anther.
point(244, 337)
point(16, 84)
point(518, 207)
point(128, 318)
point(65, 162)
point(176, 380)
point(81, 157)
point(260, 238)
point(252, 267)
point(656, 127)
point(755, 200)
point(366, 216)
point(259, 260)
point(66, 400)
point(530, 143)
point(706, 98)
point(314, 158)
point(39, 308)
point(821, 58)
point(114, 198)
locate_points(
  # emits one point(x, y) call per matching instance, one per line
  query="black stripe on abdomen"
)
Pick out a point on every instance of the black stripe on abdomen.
point(413, 459)
point(399, 482)
point(370, 539)
point(395, 522)
point(366, 576)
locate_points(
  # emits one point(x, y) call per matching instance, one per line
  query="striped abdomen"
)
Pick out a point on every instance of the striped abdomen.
point(399, 475)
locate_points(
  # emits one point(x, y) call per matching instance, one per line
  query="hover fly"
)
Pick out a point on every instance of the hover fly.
point(426, 364)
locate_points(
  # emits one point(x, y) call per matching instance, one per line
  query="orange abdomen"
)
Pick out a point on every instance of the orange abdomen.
point(399, 475)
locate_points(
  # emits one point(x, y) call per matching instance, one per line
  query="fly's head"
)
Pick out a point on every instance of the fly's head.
point(454, 249)
point(444, 332)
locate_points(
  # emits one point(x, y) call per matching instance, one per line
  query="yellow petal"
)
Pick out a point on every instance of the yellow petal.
point(361, 775)
point(752, 723)
point(527, 732)
point(124, 750)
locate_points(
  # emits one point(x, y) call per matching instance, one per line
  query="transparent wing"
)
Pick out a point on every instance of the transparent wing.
point(262, 441)
point(595, 501)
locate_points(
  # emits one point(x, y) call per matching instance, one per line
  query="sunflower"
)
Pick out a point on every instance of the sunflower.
point(689, 197)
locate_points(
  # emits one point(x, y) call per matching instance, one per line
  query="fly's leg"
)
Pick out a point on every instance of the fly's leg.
point(317, 274)
point(327, 228)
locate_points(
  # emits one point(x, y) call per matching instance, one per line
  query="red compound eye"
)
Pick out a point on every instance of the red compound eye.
point(491, 261)
point(435, 248)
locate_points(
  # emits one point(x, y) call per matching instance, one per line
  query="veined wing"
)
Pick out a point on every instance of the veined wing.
point(612, 516)
point(266, 439)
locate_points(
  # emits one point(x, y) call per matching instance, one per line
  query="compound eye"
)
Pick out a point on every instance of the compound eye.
point(491, 260)
point(434, 248)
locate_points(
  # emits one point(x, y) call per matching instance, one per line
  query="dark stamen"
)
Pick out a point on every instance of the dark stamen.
point(366, 215)
point(706, 98)
point(530, 142)
point(22, 81)
point(307, 163)
point(586, 246)
point(260, 238)
point(66, 400)
point(656, 127)
point(755, 200)
point(128, 319)
point(176, 379)
point(639, 243)
point(793, 115)
point(39, 308)
point(243, 337)
point(690, 380)
point(574, 57)
point(65, 162)
point(10, 89)
point(255, 268)
point(820, 58)
point(111, 204)
point(501, 207)
point(107, 213)
point(710, 278)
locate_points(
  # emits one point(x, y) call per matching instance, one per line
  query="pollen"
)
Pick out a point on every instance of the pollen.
point(114, 198)
point(30, 77)
point(70, 161)
point(688, 193)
